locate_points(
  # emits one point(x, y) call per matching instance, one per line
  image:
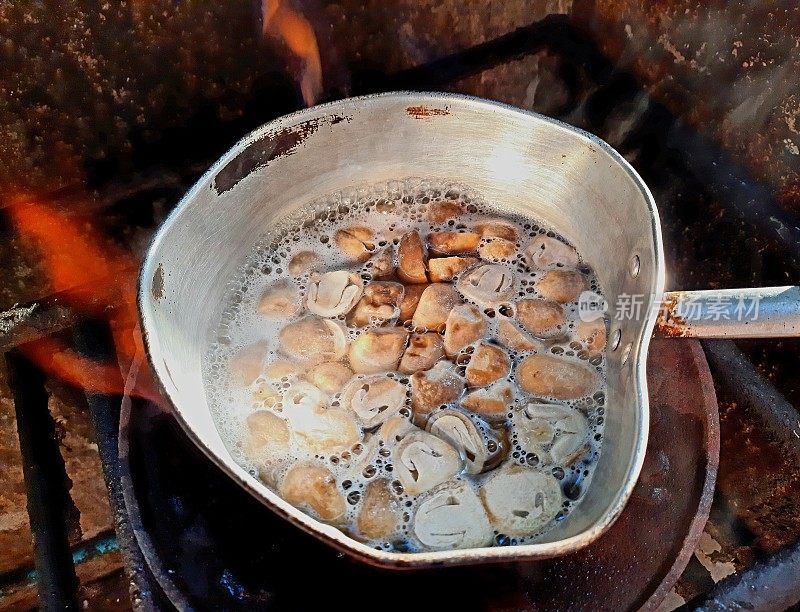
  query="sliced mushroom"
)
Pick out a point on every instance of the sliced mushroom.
point(410, 301)
point(333, 293)
point(356, 242)
point(520, 501)
point(423, 351)
point(465, 324)
point(434, 305)
point(451, 243)
point(487, 364)
point(322, 431)
point(548, 376)
point(443, 269)
point(380, 303)
point(551, 431)
point(282, 299)
point(545, 253)
point(492, 402)
point(247, 365)
point(329, 376)
point(439, 212)
point(592, 334)
point(383, 263)
point(461, 432)
point(561, 285)
point(487, 285)
point(438, 386)
point(303, 262)
point(452, 517)
point(312, 339)
point(380, 514)
point(377, 350)
point(543, 318)
point(412, 260)
point(508, 334)
point(301, 394)
point(423, 461)
point(311, 486)
point(497, 249)
point(266, 434)
point(497, 228)
point(373, 399)
point(394, 429)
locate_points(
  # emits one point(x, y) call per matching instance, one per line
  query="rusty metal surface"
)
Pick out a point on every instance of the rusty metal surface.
point(183, 510)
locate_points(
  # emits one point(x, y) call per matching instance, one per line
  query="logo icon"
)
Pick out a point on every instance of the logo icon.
point(591, 306)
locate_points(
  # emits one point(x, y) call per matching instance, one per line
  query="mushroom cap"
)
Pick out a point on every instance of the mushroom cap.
point(329, 376)
point(497, 228)
point(313, 487)
point(423, 461)
point(442, 211)
point(434, 306)
point(492, 402)
point(542, 318)
point(377, 350)
point(282, 369)
point(561, 285)
point(487, 364)
point(333, 293)
point(356, 242)
point(303, 262)
point(450, 243)
point(465, 324)
point(394, 429)
point(410, 301)
point(423, 351)
point(312, 339)
point(508, 334)
point(322, 431)
point(556, 377)
point(373, 399)
point(411, 258)
point(497, 249)
point(545, 253)
point(461, 432)
point(380, 303)
point(487, 285)
point(248, 364)
point(593, 334)
point(265, 394)
point(265, 434)
point(383, 263)
point(433, 388)
point(520, 501)
point(281, 299)
point(551, 431)
point(451, 517)
point(444, 269)
point(380, 514)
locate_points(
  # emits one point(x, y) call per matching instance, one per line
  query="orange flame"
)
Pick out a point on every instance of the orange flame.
point(284, 24)
point(93, 277)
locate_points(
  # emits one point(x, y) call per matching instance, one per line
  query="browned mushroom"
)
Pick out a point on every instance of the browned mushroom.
point(423, 461)
point(439, 212)
point(491, 402)
point(329, 376)
point(487, 285)
point(434, 306)
point(410, 301)
point(444, 269)
point(356, 242)
point(383, 263)
point(451, 517)
point(303, 262)
point(552, 432)
point(433, 388)
point(487, 364)
point(543, 318)
point(423, 351)
point(497, 228)
point(380, 515)
point(497, 249)
point(545, 253)
point(451, 243)
point(412, 261)
point(379, 304)
point(377, 350)
point(311, 486)
point(561, 285)
point(548, 376)
point(465, 325)
point(592, 334)
point(508, 334)
point(373, 399)
point(312, 339)
point(333, 293)
point(282, 299)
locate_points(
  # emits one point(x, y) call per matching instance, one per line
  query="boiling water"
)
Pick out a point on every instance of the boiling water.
point(390, 210)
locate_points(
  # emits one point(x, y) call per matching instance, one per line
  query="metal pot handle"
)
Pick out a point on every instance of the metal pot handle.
point(767, 312)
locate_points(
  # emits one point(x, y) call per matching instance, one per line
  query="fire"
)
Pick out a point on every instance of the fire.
point(283, 23)
point(96, 279)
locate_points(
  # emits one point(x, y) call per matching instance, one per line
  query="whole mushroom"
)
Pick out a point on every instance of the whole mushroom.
point(380, 303)
point(556, 377)
point(439, 212)
point(542, 318)
point(266, 434)
point(497, 249)
point(434, 306)
point(281, 299)
point(373, 399)
point(451, 243)
point(554, 433)
point(312, 339)
point(423, 461)
point(356, 242)
point(497, 228)
point(380, 515)
point(410, 301)
point(377, 350)
point(311, 486)
point(303, 262)
point(492, 402)
point(322, 431)
point(451, 517)
point(592, 334)
point(412, 259)
point(487, 285)
point(444, 269)
point(333, 293)
point(488, 364)
point(383, 263)
point(520, 501)
point(423, 351)
point(561, 285)
point(433, 388)
point(545, 253)
point(508, 334)
point(329, 376)
point(248, 364)
point(465, 324)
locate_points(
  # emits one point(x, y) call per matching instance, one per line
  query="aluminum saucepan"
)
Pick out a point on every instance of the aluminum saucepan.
point(567, 178)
